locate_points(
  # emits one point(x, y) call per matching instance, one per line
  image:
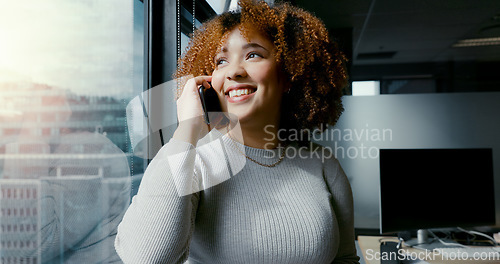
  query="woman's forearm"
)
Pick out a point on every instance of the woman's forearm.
point(157, 226)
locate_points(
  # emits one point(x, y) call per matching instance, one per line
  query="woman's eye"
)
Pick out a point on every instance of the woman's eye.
point(254, 55)
point(220, 61)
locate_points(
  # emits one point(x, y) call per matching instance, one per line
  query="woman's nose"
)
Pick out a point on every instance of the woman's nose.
point(236, 71)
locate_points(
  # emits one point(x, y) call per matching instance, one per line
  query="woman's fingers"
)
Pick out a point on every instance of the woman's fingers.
point(189, 104)
point(190, 112)
point(205, 82)
point(193, 83)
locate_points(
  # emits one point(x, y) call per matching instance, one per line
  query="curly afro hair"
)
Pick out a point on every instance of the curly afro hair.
point(310, 60)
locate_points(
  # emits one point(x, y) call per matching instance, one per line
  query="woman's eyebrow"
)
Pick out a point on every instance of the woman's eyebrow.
point(253, 45)
point(246, 46)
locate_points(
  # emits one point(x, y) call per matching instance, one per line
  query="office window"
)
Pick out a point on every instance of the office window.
point(361, 88)
point(409, 86)
point(67, 72)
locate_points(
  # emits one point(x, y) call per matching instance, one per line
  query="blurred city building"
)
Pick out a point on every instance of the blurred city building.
point(64, 174)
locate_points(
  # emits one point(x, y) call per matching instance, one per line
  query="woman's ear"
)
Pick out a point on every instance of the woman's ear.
point(287, 90)
point(286, 82)
point(287, 86)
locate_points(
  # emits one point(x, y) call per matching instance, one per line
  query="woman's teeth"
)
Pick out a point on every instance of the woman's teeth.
point(234, 93)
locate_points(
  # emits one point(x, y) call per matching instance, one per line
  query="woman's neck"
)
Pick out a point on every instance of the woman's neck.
point(259, 136)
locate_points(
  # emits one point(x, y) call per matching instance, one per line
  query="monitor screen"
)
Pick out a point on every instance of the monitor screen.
point(436, 188)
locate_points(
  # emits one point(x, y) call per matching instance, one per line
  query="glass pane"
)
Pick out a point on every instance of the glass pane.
point(67, 72)
point(407, 86)
point(218, 5)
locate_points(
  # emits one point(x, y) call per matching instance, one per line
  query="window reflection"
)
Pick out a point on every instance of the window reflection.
point(65, 162)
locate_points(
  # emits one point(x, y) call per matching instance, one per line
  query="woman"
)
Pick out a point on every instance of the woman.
point(275, 69)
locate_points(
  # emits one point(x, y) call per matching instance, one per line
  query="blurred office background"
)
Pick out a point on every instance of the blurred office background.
point(424, 75)
point(71, 70)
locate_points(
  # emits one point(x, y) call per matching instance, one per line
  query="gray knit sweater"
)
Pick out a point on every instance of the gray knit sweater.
point(297, 212)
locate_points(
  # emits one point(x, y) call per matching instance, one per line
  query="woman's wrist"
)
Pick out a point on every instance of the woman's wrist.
point(191, 130)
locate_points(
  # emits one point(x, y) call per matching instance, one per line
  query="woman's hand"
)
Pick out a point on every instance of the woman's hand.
point(190, 112)
point(189, 104)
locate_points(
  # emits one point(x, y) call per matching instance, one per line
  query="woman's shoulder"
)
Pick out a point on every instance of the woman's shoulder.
point(321, 159)
point(314, 151)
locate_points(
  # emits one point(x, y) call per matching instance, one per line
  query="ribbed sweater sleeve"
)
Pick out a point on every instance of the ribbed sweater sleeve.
point(158, 225)
point(342, 202)
point(282, 214)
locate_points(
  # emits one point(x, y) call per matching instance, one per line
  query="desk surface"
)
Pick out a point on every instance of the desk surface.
point(370, 247)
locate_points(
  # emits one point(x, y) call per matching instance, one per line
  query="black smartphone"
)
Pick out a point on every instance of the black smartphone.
point(209, 101)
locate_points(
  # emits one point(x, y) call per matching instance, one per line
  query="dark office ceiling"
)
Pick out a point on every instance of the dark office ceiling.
point(412, 31)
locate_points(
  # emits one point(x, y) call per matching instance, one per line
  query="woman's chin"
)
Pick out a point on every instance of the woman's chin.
point(243, 116)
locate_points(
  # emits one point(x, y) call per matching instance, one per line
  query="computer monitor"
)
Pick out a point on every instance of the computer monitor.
point(436, 188)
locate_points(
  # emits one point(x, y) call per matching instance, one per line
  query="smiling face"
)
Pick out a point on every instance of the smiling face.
point(248, 79)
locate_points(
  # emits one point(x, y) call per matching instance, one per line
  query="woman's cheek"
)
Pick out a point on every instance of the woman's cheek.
point(217, 81)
